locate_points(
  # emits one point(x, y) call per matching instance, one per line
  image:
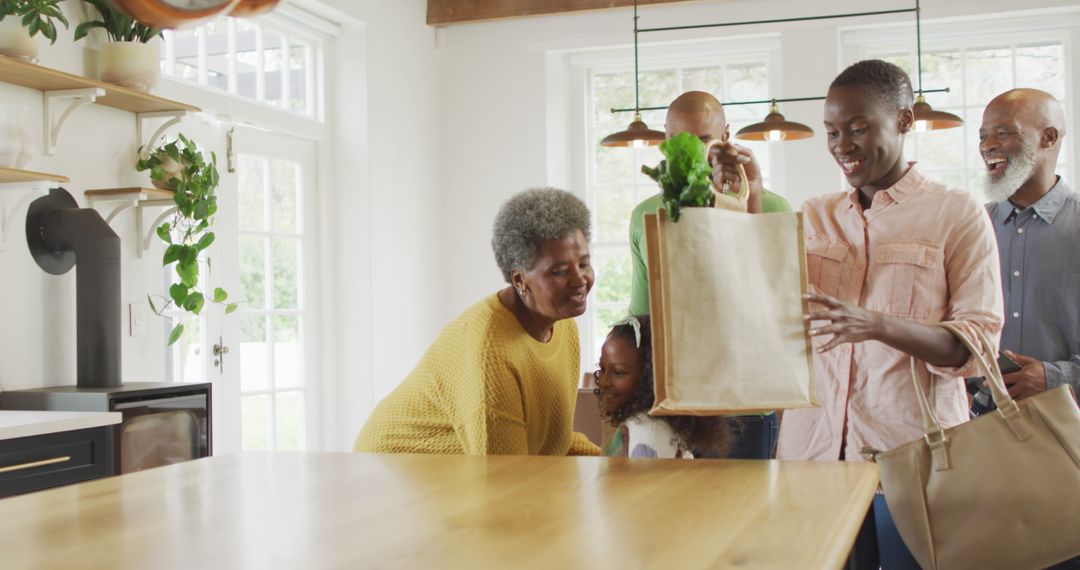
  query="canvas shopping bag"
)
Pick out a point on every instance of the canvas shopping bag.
point(1001, 491)
point(726, 299)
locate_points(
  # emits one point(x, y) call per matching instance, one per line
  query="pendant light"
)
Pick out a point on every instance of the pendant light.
point(638, 134)
point(774, 128)
point(926, 118)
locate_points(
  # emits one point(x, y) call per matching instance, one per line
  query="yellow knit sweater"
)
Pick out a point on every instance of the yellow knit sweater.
point(485, 387)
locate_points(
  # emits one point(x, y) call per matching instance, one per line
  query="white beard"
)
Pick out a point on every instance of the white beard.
point(1017, 171)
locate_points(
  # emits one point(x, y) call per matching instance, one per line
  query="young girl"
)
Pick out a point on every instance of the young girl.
point(624, 388)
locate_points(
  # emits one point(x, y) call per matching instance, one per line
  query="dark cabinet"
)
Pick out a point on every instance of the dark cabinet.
point(50, 460)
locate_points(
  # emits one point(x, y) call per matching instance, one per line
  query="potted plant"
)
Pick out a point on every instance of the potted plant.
point(130, 58)
point(194, 186)
point(21, 20)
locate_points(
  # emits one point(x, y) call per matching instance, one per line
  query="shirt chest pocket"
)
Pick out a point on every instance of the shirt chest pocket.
point(826, 264)
point(910, 277)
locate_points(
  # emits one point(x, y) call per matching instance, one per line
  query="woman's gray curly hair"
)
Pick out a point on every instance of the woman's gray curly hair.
point(530, 217)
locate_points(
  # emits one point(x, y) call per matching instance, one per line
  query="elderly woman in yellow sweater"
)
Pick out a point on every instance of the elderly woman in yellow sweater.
point(502, 377)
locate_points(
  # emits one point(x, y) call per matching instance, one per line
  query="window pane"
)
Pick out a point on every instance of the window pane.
point(287, 355)
point(247, 60)
point(298, 74)
point(290, 421)
point(657, 88)
point(707, 79)
point(253, 354)
point(747, 82)
point(1042, 67)
point(612, 276)
point(184, 359)
point(613, 164)
point(253, 271)
point(255, 422)
point(989, 73)
point(613, 207)
point(284, 176)
point(273, 64)
point(286, 270)
point(217, 54)
point(186, 53)
point(605, 317)
point(613, 91)
point(942, 149)
point(252, 192)
point(941, 70)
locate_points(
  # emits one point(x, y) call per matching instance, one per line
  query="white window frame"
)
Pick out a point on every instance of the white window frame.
point(314, 64)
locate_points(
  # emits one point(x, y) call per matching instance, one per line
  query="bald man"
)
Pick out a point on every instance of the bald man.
point(1037, 221)
point(702, 115)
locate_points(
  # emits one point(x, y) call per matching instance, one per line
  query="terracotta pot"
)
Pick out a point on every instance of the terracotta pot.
point(15, 40)
point(130, 64)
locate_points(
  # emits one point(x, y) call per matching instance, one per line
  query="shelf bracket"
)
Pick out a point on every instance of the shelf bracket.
point(75, 98)
point(10, 208)
point(148, 144)
point(146, 234)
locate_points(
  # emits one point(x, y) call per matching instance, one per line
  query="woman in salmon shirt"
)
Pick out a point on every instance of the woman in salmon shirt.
point(888, 259)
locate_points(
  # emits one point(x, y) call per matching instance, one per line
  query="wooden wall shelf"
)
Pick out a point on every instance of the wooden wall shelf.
point(15, 176)
point(27, 74)
point(123, 199)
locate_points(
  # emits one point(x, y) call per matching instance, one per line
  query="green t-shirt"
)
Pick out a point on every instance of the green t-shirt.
point(639, 281)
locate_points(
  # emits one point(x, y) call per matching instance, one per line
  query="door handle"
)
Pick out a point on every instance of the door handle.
point(220, 350)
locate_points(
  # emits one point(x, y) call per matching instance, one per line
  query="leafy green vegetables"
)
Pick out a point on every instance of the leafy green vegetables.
point(685, 176)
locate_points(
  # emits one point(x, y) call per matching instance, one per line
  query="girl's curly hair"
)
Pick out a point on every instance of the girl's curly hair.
point(703, 435)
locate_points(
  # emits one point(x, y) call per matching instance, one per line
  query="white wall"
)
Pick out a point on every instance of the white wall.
point(381, 212)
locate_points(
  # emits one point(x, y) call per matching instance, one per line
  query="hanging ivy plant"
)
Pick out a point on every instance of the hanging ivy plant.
point(179, 166)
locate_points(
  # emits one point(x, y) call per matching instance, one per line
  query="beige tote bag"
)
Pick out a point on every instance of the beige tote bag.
point(1001, 491)
point(726, 299)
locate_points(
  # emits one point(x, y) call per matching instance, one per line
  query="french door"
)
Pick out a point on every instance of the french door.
point(260, 358)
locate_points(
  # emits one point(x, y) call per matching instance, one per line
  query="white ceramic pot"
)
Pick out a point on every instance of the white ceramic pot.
point(15, 40)
point(16, 148)
point(130, 64)
point(172, 169)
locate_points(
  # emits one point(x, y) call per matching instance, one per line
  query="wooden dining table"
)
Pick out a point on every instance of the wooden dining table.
point(346, 510)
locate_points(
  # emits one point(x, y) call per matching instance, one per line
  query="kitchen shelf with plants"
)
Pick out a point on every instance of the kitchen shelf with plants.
point(60, 88)
point(19, 188)
point(116, 200)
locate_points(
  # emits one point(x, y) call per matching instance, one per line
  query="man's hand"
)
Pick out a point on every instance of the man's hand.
point(1029, 380)
point(847, 323)
point(724, 157)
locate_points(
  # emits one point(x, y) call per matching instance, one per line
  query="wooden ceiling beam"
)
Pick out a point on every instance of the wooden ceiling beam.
point(445, 12)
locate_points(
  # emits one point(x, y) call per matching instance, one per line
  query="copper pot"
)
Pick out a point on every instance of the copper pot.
point(170, 14)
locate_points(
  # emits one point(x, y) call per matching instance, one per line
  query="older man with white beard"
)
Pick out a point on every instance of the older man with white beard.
point(1037, 221)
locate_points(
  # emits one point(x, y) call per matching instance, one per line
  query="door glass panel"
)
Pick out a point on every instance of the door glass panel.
point(289, 420)
point(285, 182)
point(253, 353)
point(255, 422)
point(286, 272)
point(287, 356)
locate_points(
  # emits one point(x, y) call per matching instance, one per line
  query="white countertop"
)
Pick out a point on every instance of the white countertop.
point(22, 424)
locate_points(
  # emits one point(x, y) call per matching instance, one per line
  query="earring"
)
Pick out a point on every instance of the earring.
point(521, 292)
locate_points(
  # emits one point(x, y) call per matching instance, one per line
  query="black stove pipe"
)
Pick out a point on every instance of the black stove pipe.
point(60, 235)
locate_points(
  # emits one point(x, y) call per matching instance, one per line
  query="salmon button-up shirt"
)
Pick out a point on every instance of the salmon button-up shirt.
point(922, 252)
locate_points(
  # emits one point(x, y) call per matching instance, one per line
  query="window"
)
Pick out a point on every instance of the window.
point(247, 59)
point(614, 183)
point(976, 68)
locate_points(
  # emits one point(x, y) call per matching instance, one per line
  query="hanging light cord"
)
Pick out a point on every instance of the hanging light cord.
point(637, 102)
point(918, 41)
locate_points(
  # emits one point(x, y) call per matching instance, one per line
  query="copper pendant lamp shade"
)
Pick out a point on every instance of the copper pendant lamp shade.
point(638, 134)
point(774, 128)
point(927, 119)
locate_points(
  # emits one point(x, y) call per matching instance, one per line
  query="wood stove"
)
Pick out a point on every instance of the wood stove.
point(163, 422)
